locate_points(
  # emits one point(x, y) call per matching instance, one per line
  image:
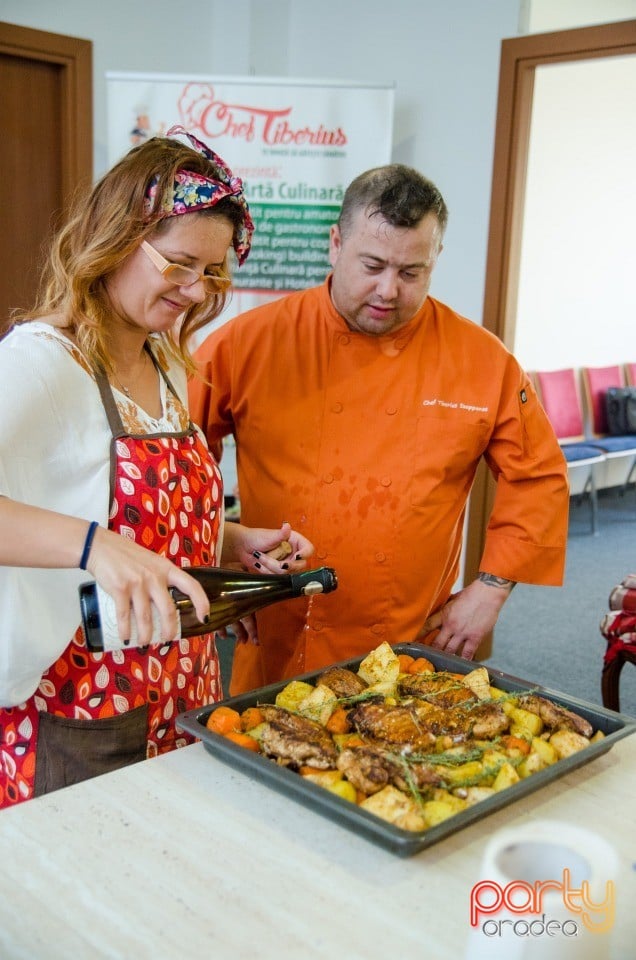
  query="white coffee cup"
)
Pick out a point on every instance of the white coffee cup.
point(546, 892)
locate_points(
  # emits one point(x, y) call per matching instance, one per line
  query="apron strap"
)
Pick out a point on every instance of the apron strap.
point(115, 424)
point(162, 373)
point(114, 418)
point(110, 405)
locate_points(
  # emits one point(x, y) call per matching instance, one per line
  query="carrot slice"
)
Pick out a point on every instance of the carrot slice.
point(223, 720)
point(250, 718)
point(421, 665)
point(243, 740)
point(405, 660)
point(338, 722)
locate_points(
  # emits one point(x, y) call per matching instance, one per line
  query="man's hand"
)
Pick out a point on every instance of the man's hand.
point(469, 615)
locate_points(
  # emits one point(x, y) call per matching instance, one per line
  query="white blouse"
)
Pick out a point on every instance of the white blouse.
point(54, 453)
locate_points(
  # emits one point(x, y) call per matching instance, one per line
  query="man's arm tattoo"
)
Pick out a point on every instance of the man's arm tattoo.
point(494, 581)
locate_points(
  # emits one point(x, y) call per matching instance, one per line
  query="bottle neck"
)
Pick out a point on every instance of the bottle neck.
point(311, 582)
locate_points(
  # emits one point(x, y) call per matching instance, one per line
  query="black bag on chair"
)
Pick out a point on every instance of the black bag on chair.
point(620, 406)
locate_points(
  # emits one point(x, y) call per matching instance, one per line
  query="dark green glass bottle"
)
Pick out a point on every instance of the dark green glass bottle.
point(232, 593)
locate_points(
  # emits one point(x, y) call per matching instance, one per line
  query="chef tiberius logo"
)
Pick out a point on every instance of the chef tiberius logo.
point(528, 902)
point(200, 108)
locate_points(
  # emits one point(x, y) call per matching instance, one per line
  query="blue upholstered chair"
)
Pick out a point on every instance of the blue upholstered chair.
point(559, 395)
point(620, 451)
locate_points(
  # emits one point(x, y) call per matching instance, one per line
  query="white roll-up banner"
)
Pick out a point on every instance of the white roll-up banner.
point(296, 144)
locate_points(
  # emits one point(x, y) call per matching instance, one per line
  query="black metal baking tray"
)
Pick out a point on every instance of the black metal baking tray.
point(402, 842)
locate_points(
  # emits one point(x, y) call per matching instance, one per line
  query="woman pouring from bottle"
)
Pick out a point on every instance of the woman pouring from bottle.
point(102, 470)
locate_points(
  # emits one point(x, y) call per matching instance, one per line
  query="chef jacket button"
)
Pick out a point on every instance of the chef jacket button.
point(321, 554)
point(380, 557)
point(391, 411)
point(378, 629)
point(386, 481)
point(317, 626)
point(343, 339)
point(399, 344)
point(336, 408)
point(328, 478)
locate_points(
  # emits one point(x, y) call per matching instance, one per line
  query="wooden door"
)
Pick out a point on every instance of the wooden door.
point(46, 149)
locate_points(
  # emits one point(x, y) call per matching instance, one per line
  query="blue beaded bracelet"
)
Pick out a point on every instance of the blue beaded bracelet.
point(88, 543)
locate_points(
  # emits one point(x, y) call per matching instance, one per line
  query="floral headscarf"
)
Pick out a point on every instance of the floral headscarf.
point(193, 191)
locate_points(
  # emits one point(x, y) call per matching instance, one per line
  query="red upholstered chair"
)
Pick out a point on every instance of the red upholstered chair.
point(630, 374)
point(560, 398)
point(620, 451)
point(559, 395)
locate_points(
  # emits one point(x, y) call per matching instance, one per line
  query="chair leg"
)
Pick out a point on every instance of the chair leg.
point(594, 502)
point(590, 486)
point(609, 683)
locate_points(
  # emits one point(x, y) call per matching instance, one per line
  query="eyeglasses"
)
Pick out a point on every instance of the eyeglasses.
point(185, 276)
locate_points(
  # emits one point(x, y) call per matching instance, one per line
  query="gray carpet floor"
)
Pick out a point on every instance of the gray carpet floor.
point(550, 635)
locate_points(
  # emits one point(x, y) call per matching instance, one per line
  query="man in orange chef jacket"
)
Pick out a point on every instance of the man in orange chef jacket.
point(361, 409)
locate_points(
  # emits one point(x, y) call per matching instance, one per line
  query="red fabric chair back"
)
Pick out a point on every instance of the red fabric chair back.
point(560, 398)
point(596, 381)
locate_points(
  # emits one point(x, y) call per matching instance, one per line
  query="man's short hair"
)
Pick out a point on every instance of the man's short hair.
point(396, 193)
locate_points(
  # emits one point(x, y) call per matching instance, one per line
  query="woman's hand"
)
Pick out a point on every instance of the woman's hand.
point(137, 579)
point(250, 547)
point(255, 549)
point(132, 575)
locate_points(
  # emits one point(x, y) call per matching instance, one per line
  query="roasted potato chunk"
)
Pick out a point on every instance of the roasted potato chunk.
point(293, 694)
point(567, 742)
point(395, 807)
point(380, 669)
point(478, 681)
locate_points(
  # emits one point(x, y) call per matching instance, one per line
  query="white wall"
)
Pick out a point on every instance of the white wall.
point(135, 35)
point(444, 59)
point(577, 297)
point(544, 16)
point(442, 55)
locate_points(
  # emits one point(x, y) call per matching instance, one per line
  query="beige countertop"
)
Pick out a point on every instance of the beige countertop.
point(182, 856)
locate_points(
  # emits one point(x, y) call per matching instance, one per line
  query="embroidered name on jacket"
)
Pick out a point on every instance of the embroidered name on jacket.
point(454, 405)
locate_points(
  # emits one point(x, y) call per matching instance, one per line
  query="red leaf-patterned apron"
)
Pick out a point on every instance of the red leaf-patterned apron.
point(120, 707)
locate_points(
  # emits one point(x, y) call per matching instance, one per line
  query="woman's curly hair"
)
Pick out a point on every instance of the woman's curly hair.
point(103, 229)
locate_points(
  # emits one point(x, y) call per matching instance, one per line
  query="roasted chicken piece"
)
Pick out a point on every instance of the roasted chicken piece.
point(486, 721)
point(554, 715)
point(344, 683)
point(437, 688)
point(396, 727)
point(367, 768)
point(370, 769)
point(418, 775)
point(296, 740)
point(468, 721)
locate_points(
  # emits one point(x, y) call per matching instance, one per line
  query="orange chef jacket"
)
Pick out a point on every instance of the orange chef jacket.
point(369, 446)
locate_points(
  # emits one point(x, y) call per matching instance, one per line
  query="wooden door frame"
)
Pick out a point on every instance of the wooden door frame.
point(75, 58)
point(519, 59)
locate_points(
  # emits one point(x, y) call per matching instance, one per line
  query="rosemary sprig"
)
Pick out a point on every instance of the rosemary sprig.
point(359, 697)
point(448, 759)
